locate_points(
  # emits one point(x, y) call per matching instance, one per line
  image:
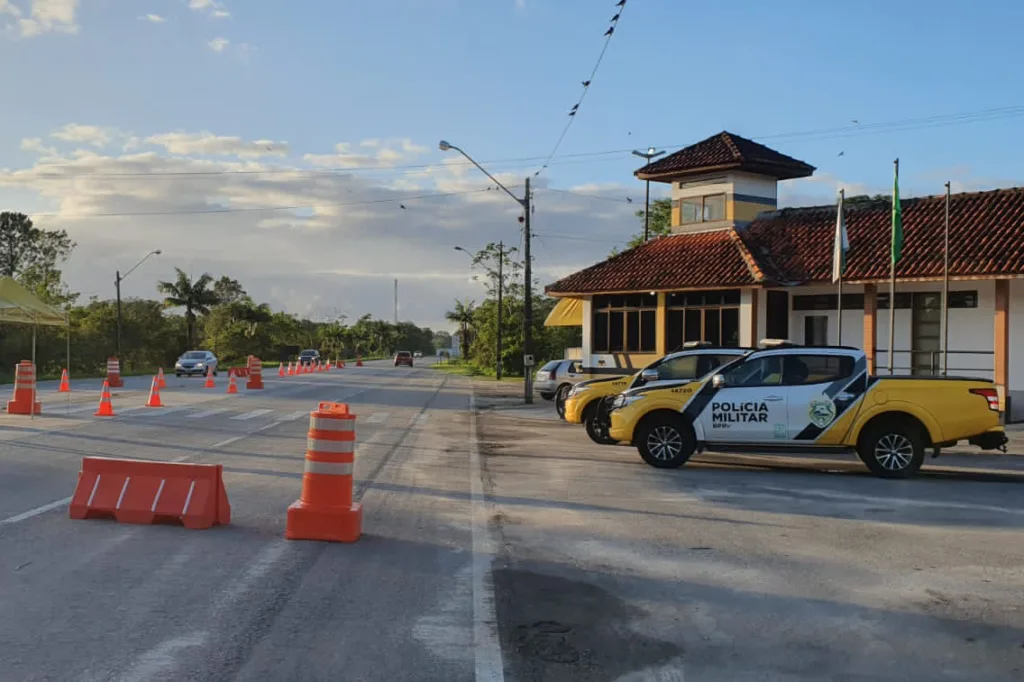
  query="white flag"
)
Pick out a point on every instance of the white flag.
point(841, 245)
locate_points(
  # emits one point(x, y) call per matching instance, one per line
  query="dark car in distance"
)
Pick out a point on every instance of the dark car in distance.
point(403, 357)
point(309, 357)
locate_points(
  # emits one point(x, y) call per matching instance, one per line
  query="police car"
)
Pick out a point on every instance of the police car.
point(797, 399)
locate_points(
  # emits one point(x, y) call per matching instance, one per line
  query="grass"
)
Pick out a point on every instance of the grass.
point(471, 369)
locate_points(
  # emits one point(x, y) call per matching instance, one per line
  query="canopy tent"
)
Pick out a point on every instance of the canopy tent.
point(18, 304)
point(21, 306)
point(568, 312)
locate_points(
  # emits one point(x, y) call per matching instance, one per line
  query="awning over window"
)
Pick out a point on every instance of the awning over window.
point(568, 312)
point(18, 304)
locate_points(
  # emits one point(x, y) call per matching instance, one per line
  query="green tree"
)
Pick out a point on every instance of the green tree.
point(31, 255)
point(442, 339)
point(659, 226)
point(464, 316)
point(228, 290)
point(194, 297)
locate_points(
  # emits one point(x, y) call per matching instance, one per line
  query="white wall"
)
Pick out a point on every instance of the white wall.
point(746, 304)
point(755, 185)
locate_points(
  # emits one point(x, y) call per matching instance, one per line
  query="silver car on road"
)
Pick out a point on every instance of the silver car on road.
point(556, 378)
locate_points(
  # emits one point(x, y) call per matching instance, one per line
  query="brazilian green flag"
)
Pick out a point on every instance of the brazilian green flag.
point(897, 219)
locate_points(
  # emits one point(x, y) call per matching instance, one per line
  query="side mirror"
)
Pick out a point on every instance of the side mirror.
point(718, 381)
point(649, 375)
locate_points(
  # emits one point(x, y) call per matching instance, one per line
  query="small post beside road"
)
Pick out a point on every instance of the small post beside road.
point(527, 300)
point(501, 286)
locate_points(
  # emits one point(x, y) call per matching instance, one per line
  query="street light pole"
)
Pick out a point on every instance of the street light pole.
point(118, 278)
point(501, 286)
point(647, 156)
point(527, 269)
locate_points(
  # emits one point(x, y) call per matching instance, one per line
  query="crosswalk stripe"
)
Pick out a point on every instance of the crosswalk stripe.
point(377, 418)
point(156, 411)
point(207, 413)
point(294, 415)
point(254, 413)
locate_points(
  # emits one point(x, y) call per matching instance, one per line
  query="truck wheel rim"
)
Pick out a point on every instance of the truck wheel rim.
point(894, 451)
point(665, 443)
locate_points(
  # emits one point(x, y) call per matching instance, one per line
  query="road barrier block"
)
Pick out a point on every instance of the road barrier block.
point(114, 373)
point(255, 373)
point(144, 492)
point(24, 401)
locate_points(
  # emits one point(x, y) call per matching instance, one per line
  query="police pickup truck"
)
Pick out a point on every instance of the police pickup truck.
point(809, 399)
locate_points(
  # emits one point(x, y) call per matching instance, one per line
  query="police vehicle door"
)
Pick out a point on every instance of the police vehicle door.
point(751, 406)
point(815, 385)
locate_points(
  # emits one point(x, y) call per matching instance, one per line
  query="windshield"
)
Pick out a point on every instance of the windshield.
point(550, 366)
point(308, 353)
point(403, 353)
point(194, 355)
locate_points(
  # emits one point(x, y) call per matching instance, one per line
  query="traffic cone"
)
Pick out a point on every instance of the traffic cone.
point(160, 381)
point(106, 408)
point(65, 385)
point(328, 365)
point(209, 379)
point(154, 394)
point(291, 369)
point(232, 384)
point(280, 370)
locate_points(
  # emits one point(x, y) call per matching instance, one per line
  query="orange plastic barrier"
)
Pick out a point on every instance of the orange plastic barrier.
point(255, 373)
point(240, 371)
point(65, 384)
point(24, 401)
point(325, 509)
point(139, 491)
point(114, 373)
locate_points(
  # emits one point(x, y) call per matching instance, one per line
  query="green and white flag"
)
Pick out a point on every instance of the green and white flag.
point(840, 246)
point(897, 219)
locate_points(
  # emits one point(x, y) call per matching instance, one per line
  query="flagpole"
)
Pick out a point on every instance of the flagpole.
point(945, 290)
point(839, 303)
point(892, 281)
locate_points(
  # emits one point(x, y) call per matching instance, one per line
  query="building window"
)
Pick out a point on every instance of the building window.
point(905, 300)
point(624, 323)
point(702, 209)
point(711, 316)
point(816, 330)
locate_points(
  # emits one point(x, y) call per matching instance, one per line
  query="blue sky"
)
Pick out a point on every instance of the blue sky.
point(260, 84)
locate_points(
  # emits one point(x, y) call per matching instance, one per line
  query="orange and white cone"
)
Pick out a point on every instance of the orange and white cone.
point(280, 370)
point(232, 384)
point(106, 408)
point(160, 381)
point(65, 385)
point(209, 379)
point(154, 394)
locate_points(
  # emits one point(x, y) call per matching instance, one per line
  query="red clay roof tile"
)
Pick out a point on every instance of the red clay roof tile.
point(725, 151)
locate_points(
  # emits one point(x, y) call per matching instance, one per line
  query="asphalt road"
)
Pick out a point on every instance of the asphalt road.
point(744, 568)
point(97, 600)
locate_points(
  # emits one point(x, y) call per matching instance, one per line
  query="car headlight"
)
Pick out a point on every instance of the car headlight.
point(199, 364)
point(625, 400)
point(576, 390)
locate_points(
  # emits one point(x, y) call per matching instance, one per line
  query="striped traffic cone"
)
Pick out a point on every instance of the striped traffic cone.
point(65, 385)
point(160, 381)
point(280, 370)
point(209, 379)
point(106, 408)
point(232, 384)
point(154, 394)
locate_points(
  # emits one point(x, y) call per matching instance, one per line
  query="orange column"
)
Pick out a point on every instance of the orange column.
point(870, 317)
point(1002, 340)
point(659, 325)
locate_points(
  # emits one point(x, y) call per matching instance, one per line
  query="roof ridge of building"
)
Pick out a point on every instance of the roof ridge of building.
point(727, 138)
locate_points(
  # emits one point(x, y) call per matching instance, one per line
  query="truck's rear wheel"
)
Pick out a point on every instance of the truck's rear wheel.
point(892, 449)
point(665, 441)
point(595, 420)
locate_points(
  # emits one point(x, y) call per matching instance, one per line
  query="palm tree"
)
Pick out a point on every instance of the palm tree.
point(194, 297)
point(462, 316)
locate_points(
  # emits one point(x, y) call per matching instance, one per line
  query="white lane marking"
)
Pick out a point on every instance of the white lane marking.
point(377, 418)
point(157, 411)
point(163, 656)
point(207, 413)
point(34, 512)
point(258, 567)
point(250, 415)
point(295, 415)
point(486, 646)
point(246, 435)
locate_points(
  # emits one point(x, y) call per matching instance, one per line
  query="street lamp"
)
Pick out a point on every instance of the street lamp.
point(118, 278)
point(445, 146)
point(647, 156)
point(501, 287)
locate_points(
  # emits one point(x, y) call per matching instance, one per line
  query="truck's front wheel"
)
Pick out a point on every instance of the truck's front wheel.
point(665, 441)
point(892, 449)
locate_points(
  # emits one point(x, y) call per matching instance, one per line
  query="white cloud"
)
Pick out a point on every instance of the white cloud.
point(207, 144)
point(41, 16)
point(211, 8)
point(153, 18)
point(348, 239)
point(387, 153)
point(86, 134)
point(219, 44)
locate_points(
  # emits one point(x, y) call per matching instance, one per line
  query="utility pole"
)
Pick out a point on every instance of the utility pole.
point(528, 299)
point(117, 286)
point(647, 156)
point(396, 301)
point(501, 286)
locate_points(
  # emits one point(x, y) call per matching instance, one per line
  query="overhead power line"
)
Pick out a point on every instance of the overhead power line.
point(619, 7)
point(817, 134)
